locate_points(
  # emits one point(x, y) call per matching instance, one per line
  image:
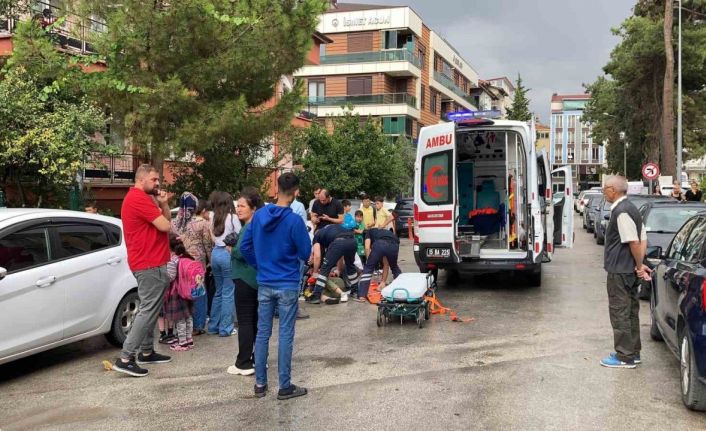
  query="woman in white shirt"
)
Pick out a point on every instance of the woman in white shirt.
point(223, 223)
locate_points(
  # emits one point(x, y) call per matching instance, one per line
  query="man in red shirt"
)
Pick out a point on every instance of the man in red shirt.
point(146, 224)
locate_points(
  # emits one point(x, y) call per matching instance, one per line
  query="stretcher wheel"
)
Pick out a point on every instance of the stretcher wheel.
point(420, 317)
point(382, 319)
point(427, 311)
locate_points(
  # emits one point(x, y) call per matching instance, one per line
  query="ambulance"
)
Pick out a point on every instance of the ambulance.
point(483, 198)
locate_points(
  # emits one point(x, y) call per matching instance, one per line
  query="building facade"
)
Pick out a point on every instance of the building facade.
point(571, 140)
point(384, 62)
point(543, 142)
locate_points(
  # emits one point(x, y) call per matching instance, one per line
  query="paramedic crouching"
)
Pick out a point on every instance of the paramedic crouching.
point(625, 244)
point(379, 244)
point(333, 242)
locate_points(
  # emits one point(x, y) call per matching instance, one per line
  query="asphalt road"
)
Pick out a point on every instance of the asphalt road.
point(528, 361)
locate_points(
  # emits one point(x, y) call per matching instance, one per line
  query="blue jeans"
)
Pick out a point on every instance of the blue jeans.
point(200, 312)
point(286, 302)
point(223, 306)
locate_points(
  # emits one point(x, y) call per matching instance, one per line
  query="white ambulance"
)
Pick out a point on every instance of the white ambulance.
point(483, 198)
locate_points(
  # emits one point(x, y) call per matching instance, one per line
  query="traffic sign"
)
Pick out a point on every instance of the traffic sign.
point(650, 171)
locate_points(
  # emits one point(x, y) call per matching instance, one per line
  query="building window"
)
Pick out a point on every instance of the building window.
point(595, 153)
point(570, 155)
point(322, 50)
point(559, 122)
point(422, 100)
point(432, 101)
point(359, 85)
point(360, 42)
point(317, 91)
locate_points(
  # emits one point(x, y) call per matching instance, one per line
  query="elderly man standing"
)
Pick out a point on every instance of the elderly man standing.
point(625, 245)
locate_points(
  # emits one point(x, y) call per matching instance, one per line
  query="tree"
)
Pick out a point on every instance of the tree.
point(189, 78)
point(357, 157)
point(667, 143)
point(47, 125)
point(520, 103)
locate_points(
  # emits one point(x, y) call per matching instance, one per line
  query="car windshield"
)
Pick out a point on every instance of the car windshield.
point(594, 201)
point(668, 219)
point(404, 205)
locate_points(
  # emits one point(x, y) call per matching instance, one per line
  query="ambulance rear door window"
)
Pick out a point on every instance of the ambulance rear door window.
point(437, 178)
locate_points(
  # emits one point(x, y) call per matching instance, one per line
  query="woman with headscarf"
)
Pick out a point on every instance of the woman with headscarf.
point(194, 231)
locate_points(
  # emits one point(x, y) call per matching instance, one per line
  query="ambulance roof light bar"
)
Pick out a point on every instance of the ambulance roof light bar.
point(462, 116)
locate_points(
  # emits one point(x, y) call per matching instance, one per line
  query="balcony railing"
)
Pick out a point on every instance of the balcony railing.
point(372, 57)
point(449, 83)
point(365, 99)
point(111, 169)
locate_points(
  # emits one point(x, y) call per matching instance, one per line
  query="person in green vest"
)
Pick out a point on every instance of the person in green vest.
point(244, 277)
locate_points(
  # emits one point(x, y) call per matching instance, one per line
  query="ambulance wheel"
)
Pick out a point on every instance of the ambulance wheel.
point(427, 311)
point(382, 319)
point(420, 318)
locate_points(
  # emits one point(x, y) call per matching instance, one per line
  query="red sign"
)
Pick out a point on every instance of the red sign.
point(650, 171)
point(436, 178)
point(438, 141)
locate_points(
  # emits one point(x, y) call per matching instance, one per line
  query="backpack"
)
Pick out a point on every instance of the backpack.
point(190, 279)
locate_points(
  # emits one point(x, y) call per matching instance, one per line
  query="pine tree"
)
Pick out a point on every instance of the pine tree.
point(520, 104)
point(190, 77)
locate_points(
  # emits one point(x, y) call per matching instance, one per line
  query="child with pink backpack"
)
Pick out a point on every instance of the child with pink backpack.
point(186, 275)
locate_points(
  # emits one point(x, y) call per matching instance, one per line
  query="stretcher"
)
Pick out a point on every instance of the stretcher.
point(406, 296)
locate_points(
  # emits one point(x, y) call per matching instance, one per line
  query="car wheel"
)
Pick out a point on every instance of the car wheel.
point(600, 240)
point(693, 392)
point(645, 290)
point(123, 318)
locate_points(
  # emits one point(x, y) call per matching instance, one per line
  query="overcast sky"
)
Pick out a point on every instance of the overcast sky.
point(557, 45)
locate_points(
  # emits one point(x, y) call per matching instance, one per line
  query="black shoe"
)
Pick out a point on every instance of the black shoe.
point(332, 301)
point(130, 368)
point(314, 301)
point(260, 391)
point(153, 358)
point(291, 392)
point(302, 314)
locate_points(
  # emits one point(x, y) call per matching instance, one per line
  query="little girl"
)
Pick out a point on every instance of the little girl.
point(177, 309)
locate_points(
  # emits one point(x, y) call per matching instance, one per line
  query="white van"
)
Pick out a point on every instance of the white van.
point(482, 198)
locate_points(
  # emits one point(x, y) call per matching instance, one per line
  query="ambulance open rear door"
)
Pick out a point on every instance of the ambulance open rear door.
point(562, 178)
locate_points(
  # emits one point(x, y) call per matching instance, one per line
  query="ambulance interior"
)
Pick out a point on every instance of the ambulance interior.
point(491, 183)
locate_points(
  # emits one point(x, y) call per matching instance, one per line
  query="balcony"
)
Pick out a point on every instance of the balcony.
point(394, 62)
point(399, 104)
point(462, 98)
point(372, 57)
point(365, 99)
point(113, 169)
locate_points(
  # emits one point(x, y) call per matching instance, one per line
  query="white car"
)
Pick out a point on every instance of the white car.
point(63, 277)
point(582, 200)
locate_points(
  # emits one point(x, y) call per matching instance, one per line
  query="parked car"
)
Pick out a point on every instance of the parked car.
point(590, 212)
point(403, 211)
point(678, 306)
point(662, 219)
point(63, 277)
point(600, 223)
point(582, 200)
point(638, 200)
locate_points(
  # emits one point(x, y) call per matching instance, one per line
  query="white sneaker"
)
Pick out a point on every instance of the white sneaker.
point(238, 372)
point(344, 297)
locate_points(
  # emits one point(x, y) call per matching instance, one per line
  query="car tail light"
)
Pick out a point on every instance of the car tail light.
point(563, 237)
point(536, 247)
point(550, 248)
point(548, 193)
point(431, 266)
point(520, 266)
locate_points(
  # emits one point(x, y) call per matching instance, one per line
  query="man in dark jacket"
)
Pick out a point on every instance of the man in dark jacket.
point(274, 245)
point(333, 243)
point(379, 244)
point(625, 245)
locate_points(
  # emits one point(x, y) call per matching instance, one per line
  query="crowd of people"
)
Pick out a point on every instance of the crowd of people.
point(258, 256)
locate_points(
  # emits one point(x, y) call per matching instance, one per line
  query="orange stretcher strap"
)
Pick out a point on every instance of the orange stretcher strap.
point(374, 294)
point(436, 307)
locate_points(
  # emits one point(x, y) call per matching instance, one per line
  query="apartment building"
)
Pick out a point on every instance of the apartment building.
point(571, 140)
point(384, 62)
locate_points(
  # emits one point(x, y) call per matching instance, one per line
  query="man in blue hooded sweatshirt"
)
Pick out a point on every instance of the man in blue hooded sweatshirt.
point(274, 245)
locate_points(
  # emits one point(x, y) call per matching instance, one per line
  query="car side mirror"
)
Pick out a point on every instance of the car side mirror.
point(654, 252)
point(3, 272)
point(606, 217)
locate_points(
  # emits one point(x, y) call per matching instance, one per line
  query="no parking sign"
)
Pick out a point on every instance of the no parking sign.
point(650, 171)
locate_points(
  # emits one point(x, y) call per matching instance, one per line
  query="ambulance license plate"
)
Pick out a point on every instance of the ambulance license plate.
point(439, 252)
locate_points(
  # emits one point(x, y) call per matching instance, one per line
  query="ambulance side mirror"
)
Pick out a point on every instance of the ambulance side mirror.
point(654, 252)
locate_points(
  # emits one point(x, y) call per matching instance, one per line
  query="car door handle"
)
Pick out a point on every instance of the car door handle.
point(113, 261)
point(46, 281)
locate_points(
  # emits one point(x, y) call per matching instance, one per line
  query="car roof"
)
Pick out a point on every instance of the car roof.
point(8, 215)
point(673, 203)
